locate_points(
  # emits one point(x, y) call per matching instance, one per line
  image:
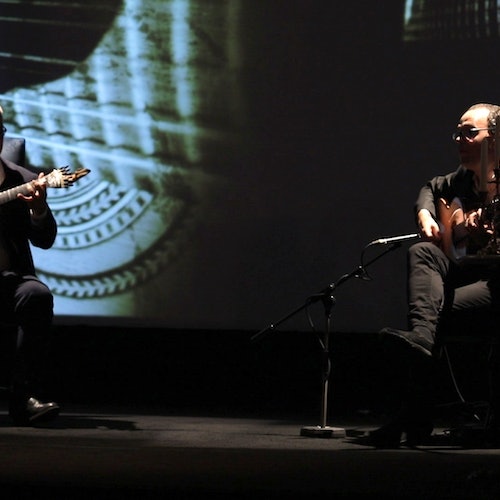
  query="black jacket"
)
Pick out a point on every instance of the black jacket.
point(458, 184)
point(17, 229)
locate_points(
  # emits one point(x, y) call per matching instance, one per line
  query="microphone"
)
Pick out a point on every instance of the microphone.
point(395, 239)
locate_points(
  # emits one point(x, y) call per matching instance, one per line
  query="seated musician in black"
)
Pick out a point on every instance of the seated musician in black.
point(24, 299)
point(436, 284)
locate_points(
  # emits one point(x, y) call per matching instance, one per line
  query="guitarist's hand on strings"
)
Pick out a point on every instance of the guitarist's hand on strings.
point(476, 223)
point(36, 200)
point(429, 228)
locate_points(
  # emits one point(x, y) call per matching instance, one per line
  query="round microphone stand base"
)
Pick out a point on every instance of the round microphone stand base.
point(323, 432)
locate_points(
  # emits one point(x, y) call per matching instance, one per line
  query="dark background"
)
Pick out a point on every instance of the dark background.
point(351, 120)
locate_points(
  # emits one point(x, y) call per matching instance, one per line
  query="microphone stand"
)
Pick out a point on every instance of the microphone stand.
point(326, 297)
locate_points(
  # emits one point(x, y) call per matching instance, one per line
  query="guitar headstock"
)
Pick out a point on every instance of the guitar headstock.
point(62, 177)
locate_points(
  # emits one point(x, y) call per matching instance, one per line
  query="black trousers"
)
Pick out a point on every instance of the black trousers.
point(437, 287)
point(28, 303)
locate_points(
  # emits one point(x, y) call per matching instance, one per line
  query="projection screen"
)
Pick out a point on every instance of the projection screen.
point(238, 149)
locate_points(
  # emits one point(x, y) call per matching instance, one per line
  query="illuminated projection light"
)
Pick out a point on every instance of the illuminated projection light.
point(129, 113)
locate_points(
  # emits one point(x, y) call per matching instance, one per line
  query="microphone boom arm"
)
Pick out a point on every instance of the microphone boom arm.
point(326, 293)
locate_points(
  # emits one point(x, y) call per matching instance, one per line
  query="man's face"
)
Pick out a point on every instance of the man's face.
point(471, 130)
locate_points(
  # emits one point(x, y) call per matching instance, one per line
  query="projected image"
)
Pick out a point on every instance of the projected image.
point(130, 90)
point(451, 20)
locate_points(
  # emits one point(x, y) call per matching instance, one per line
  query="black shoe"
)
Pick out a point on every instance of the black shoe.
point(33, 412)
point(418, 433)
point(413, 339)
point(388, 436)
point(392, 435)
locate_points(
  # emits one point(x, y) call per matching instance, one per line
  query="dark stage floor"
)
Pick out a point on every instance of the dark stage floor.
point(162, 414)
point(133, 453)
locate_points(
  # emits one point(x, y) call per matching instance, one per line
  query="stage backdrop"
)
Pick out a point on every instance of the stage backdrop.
point(243, 153)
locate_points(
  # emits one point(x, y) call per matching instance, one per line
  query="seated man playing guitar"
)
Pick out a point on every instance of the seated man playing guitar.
point(451, 216)
point(24, 299)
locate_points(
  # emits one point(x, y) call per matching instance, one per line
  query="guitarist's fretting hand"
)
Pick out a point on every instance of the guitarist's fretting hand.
point(429, 228)
point(36, 200)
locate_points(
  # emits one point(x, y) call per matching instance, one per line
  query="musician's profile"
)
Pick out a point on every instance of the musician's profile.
point(26, 302)
point(452, 269)
point(127, 109)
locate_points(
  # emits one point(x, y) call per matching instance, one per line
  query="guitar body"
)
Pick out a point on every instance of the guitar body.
point(454, 234)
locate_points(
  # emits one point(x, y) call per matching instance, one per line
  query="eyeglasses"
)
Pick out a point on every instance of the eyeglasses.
point(467, 133)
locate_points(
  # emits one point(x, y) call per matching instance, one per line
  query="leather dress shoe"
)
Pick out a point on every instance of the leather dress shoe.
point(33, 412)
point(391, 435)
point(414, 339)
point(387, 436)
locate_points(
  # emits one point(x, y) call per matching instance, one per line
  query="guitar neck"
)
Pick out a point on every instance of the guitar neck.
point(11, 193)
point(57, 178)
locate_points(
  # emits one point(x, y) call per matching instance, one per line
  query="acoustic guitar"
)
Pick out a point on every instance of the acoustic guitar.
point(456, 240)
